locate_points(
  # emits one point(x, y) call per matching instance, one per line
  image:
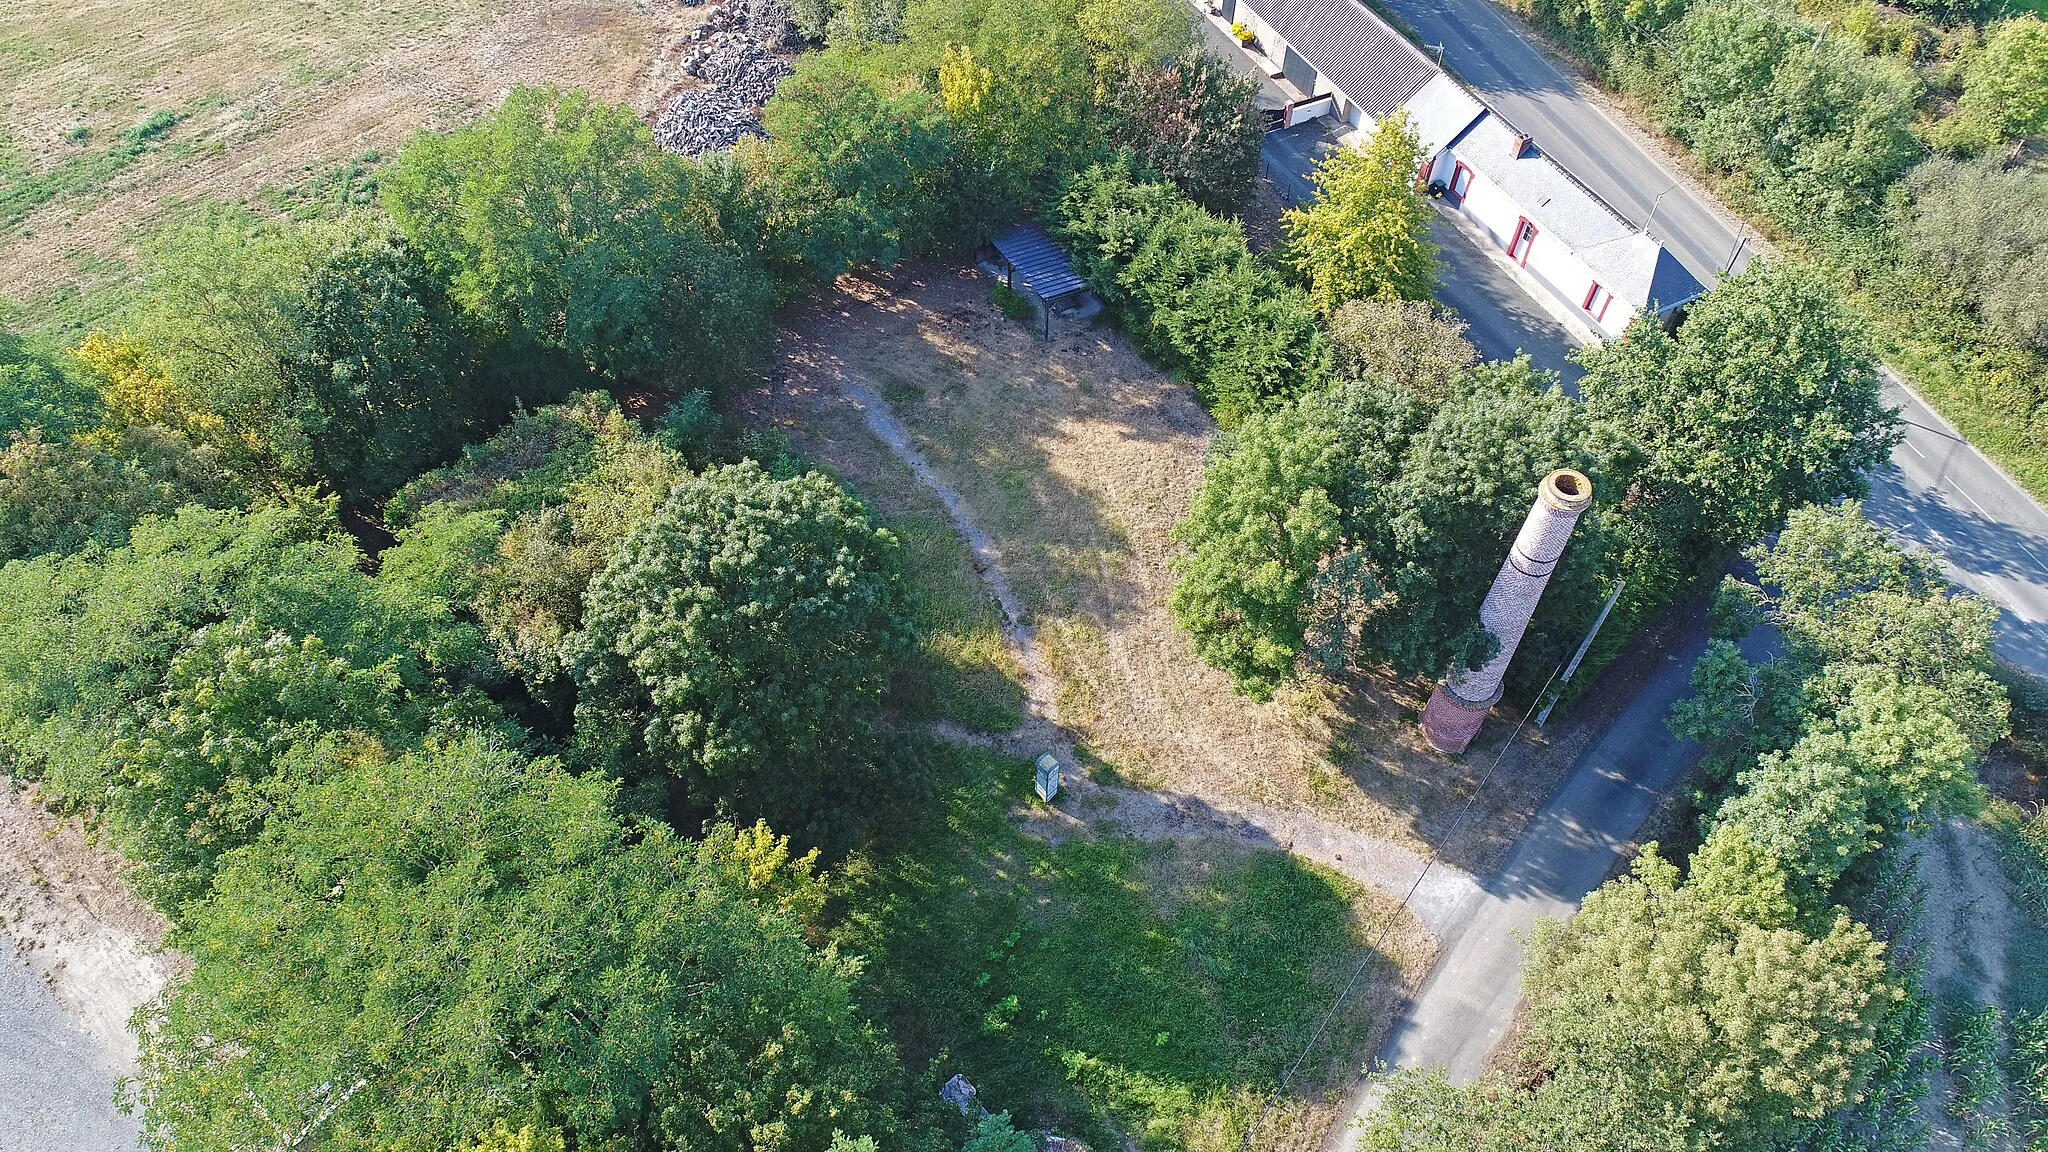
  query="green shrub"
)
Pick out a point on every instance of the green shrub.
point(2023, 849)
point(1014, 304)
point(1187, 286)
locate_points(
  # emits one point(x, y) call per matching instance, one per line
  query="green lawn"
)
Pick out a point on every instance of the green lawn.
point(1106, 987)
point(962, 670)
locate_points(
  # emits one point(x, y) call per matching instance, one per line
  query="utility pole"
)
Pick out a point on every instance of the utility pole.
point(1653, 207)
point(1741, 238)
point(1564, 679)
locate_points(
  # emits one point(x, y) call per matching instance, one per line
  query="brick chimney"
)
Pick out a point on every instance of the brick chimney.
point(1460, 703)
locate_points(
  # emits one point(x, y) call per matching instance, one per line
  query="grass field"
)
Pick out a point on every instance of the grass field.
point(122, 113)
point(1078, 457)
point(1115, 990)
point(1109, 988)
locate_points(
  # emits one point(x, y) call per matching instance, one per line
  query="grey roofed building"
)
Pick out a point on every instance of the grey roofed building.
point(1345, 62)
point(1621, 256)
point(1370, 63)
point(1440, 111)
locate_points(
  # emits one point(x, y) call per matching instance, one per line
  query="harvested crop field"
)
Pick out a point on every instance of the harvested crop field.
point(1078, 457)
point(121, 112)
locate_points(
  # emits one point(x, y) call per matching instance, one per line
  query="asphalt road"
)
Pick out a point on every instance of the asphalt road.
point(1459, 1014)
point(1942, 494)
point(1939, 493)
point(1485, 50)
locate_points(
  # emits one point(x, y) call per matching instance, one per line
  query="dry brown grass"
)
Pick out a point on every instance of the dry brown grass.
point(275, 95)
point(1078, 457)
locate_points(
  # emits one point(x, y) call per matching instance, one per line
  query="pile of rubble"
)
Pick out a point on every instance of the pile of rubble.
point(704, 120)
point(735, 50)
point(738, 65)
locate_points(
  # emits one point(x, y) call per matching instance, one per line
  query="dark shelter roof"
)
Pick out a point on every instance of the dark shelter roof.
point(1038, 262)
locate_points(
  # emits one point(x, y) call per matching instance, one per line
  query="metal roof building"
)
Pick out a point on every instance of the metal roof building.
point(1029, 262)
point(1348, 64)
point(1371, 64)
point(1035, 260)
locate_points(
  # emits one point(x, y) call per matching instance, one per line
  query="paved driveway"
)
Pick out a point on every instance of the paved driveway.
point(1505, 320)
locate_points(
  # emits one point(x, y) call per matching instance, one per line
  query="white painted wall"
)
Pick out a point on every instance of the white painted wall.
point(1486, 205)
point(1550, 261)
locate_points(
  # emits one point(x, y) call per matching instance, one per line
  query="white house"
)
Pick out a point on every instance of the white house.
point(1591, 258)
point(1351, 66)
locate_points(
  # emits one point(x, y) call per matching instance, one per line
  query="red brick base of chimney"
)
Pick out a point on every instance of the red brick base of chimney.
point(1449, 723)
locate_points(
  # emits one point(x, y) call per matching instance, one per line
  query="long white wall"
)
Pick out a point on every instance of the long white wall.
point(1550, 262)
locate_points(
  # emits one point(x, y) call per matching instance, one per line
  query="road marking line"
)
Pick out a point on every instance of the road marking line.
point(1972, 500)
point(1916, 451)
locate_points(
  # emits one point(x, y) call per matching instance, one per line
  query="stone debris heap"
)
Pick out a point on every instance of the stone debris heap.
point(704, 120)
point(735, 50)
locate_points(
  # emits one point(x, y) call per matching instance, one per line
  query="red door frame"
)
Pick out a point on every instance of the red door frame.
point(1457, 194)
point(1516, 240)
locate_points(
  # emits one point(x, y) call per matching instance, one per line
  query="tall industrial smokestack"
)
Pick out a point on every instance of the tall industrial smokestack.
point(1459, 705)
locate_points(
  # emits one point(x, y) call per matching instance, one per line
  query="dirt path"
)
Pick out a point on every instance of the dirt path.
point(1964, 937)
point(1377, 864)
point(1041, 723)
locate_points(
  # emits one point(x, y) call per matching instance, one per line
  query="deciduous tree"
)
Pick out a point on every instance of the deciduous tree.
point(93, 487)
point(1819, 127)
point(38, 390)
point(1412, 343)
point(1702, 1004)
point(739, 638)
point(1984, 228)
point(88, 641)
point(1195, 123)
point(1766, 399)
point(460, 936)
point(1366, 234)
point(558, 221)
point(315, 353)
point(858, 176)
point(2006, 85)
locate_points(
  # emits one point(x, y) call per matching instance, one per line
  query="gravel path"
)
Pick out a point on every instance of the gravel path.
point(56, 1083)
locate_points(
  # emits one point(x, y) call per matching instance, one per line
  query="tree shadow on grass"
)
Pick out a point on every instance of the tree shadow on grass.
point(1110, 988)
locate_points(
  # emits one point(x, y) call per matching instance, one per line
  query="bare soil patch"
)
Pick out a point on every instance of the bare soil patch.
point(97, 946)
point(273, 98)
point(1077, 457)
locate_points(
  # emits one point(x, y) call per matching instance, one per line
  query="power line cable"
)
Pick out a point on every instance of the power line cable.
point(1429, 862)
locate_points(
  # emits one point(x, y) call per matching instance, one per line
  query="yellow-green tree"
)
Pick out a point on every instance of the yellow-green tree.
point(2006, 89)
point(1366, 234)
point(1705, 1003)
